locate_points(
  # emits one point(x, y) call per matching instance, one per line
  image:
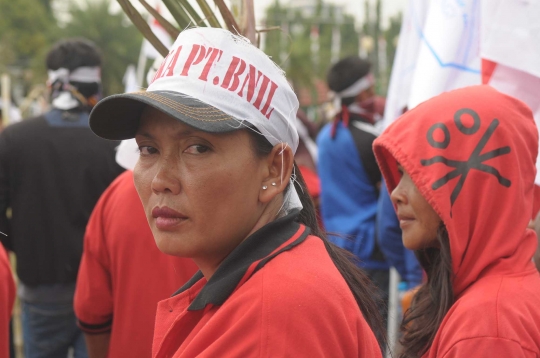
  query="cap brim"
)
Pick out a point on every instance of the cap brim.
point(118, 116)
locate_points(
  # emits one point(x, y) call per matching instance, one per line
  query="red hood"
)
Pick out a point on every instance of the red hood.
point(471, 153)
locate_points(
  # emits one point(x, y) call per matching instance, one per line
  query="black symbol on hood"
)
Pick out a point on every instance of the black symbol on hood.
point(475, 161)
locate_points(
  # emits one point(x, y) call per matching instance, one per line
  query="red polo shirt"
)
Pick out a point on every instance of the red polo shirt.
point(277, 294)
point(123, 275)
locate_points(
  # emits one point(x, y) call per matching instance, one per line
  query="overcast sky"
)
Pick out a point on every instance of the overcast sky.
point(353, 7)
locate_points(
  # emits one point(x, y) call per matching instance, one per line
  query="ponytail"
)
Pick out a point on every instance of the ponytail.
point(363, 290)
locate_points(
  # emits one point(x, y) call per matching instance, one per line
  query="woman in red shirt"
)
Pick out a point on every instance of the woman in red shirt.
point(217, 179)
point(462, 191)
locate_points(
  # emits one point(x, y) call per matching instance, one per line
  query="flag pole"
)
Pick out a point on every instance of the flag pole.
point(141, 66)
point(6, 101)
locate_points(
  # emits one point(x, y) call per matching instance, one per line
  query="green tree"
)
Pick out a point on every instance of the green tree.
point(118, 39)
point(27, 29)
point(292, 46)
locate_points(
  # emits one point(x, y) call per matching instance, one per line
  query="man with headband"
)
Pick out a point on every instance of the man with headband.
point(52, 171)
point(350, 177)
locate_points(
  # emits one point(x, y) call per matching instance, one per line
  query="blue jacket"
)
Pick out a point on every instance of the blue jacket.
point(349, 175)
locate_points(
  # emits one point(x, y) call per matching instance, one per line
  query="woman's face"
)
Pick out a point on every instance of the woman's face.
point(199, 190)
point(417, 219)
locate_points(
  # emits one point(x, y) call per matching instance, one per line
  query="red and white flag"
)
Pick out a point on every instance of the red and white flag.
point(147, 49)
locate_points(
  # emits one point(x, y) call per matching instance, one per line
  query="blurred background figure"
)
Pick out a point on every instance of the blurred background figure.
point(7, 297)
point(306, 156)
point(52, 171)
point(123, 275)
point(350, 177)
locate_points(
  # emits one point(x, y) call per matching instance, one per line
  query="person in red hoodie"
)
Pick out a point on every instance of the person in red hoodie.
point(7, 298)
point(461, 169)
point(216, 178)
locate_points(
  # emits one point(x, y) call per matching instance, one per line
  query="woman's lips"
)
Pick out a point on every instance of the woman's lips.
point(405, 220)
point(167, 218)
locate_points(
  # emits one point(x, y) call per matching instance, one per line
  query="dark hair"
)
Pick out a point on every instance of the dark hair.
point(74, 53)
point(344, 73)
point(432, 301)
point(361, 286)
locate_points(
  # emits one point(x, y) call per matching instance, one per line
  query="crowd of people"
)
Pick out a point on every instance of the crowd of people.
point(208, 216)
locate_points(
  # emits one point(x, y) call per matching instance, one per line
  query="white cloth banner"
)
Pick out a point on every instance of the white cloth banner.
point(405, 61)
point(147, 49)
point(511, 39)
point(438, 51)
point(511, 34)
point(449, 56)
point(130, 80)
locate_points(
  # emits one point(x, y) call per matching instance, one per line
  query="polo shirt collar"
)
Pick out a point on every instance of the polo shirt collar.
point(257, 249)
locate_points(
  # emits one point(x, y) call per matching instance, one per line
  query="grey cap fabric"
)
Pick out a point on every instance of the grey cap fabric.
point(117, 117)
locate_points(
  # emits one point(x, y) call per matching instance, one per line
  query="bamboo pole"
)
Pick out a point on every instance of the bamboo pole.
point(249, 16)
point(6, 98)
point(179, 13)
point(143, 27)
point(192, 13)
point(227, 17)
point(171, 30)
point(207, 11)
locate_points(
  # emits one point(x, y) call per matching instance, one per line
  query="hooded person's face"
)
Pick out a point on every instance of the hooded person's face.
point(417, 219)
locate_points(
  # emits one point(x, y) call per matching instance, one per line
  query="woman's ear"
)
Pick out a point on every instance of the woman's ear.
point(280, 163)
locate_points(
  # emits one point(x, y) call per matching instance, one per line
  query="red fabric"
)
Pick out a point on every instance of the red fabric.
point(122, 274)
point(487, 70)
point(312, 180)
point(497, 288)
point(7, 298)
point(297, 305)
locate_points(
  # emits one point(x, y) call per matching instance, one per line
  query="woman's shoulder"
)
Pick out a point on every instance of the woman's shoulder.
point(305, 267)
point(502, 307)
point(303, 280)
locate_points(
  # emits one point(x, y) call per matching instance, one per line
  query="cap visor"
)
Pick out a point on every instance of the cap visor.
point(118, 116)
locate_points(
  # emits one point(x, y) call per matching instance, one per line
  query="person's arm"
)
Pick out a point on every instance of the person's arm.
point(93, 302)
point(97, 345)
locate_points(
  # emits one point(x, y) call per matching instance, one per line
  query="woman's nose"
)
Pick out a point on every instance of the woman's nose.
point(398, 195)
point(167, 179)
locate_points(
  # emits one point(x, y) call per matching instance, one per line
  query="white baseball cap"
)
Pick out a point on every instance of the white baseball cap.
point(213, 81)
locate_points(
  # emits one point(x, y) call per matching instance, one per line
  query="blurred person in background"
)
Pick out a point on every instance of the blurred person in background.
point(350, 177)
point(306, 156)
point(123, 275)
point(7, 298)
point(52, 171)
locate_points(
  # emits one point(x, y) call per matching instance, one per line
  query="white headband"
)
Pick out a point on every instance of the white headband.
point(80, 74)
point(356, 88)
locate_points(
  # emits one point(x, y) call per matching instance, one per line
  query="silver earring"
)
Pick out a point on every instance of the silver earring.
point(273, 184)
point(265, 187)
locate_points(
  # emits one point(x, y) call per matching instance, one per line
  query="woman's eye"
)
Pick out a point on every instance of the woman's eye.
point(196, 149)
point(147, 150)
